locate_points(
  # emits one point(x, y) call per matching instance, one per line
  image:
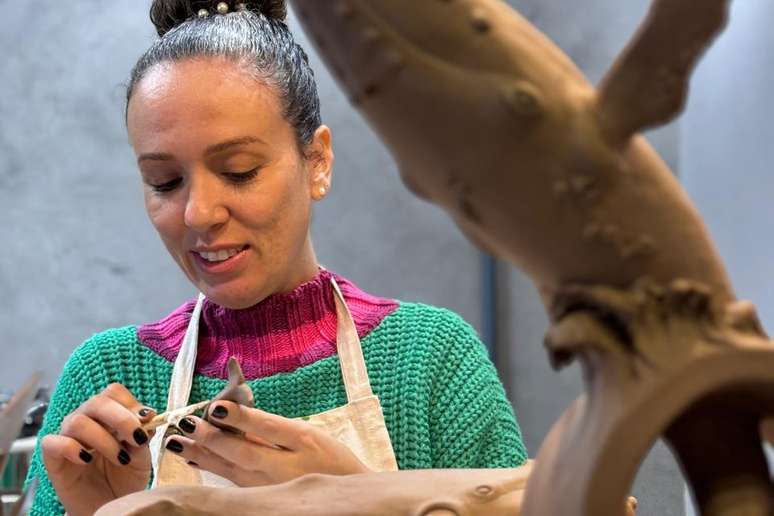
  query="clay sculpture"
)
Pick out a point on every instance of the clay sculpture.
point(490, 120)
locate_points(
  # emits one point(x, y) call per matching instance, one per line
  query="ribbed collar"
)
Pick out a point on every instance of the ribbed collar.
point(279, 334)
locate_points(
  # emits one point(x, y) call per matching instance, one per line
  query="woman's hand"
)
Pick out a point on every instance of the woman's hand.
point(271, 450)
point(101, 452)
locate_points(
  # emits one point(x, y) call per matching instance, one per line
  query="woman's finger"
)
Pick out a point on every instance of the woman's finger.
point(284, 432)
point(116, 417)
point(201, 457)
point(59, 451)
point(122, 395)
point(231, 447)
point(93, 436)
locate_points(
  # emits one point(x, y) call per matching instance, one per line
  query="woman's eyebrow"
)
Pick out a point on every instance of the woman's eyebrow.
point(220, 147)
point(154, 156)
point(212, 149)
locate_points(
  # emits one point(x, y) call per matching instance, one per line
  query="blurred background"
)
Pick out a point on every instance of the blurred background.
point(82, 257)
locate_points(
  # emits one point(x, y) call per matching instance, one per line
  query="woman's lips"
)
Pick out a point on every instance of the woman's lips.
point(220, 266)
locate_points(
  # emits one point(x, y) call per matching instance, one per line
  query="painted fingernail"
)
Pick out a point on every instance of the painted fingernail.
point(219, 412)
point(140, 437)
point(85, 456)
point(124, 458)
point(144, 412)
point(192, 463)
point(186, 425)
point(174, 446)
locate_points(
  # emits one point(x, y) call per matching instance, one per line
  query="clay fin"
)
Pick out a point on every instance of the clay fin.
point(647, 86)
point(236, 389)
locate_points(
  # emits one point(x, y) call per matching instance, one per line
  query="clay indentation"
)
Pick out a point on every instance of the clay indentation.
point(370, 35)
point(561, 187)
point(522, 100)
point(582, 185)
point(343, 9)
point(462, 193)
point(642, 246)
point(395, 61)
point(370, 89)
point(484, 491)
point(480, 21)
point(591, 231)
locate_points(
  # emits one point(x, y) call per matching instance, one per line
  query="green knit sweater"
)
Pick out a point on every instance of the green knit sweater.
point(442, 400)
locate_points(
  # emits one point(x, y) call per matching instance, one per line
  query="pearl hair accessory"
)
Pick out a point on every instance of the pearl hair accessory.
point(241, 6)
point(222, 7)
point(203, 13)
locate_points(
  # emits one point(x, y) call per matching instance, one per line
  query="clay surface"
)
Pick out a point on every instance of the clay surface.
point(437, 492)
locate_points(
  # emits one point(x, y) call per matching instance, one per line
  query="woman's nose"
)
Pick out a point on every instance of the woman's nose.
point(204, 208)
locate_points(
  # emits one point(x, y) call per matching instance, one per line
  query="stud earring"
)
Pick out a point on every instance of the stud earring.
point(322, 191)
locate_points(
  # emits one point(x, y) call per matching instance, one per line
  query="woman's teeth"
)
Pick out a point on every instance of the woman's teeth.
point(220, 256)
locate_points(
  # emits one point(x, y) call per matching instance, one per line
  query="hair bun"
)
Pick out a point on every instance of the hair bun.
point(272, 9)
point(168, 14)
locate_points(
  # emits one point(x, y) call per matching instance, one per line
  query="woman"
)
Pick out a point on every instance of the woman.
point(223, 115)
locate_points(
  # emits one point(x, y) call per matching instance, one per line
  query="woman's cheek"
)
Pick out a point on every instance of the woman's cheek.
point(164, 215)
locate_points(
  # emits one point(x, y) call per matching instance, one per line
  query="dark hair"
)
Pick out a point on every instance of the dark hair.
point(255, 36)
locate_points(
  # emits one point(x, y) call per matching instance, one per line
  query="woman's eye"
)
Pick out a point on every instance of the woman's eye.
point(168, 186)
point(241, 177)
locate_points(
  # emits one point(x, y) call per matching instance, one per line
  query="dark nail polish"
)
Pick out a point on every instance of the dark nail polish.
point(192, 463)
point(174, 446)
point(124, 458)
point(219, 412)
point(144, 412)
point(187, 425)
point(140, 437)
point(85, 456)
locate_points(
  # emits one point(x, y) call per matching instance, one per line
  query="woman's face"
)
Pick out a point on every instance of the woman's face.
point(226, 186)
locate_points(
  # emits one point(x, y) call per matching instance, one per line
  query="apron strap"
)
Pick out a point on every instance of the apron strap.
point(180, 391)
point(181, 381)
point(353, 368)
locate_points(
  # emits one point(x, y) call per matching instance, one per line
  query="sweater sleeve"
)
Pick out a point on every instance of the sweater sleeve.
point(75, 385)
point(471, 420)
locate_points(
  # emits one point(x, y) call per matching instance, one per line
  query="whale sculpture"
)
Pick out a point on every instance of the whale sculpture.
point(488, 119)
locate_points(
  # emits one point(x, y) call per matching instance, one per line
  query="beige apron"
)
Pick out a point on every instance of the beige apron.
point(359, 424)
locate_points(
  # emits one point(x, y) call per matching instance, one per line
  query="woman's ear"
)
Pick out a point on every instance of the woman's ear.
point(319, 156)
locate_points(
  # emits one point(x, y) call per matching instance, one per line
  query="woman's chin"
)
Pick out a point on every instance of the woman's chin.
point(231, 298)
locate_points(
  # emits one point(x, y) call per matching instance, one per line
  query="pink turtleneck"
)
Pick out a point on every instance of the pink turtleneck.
point(280, 334)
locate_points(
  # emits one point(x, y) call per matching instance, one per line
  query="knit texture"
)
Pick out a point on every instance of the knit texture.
point(278, 335)
point(443, 403)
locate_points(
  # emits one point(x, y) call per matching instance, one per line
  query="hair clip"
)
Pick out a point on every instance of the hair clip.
point(222, 8)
